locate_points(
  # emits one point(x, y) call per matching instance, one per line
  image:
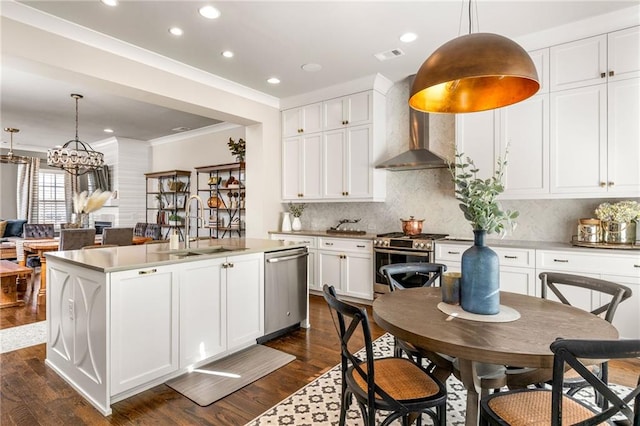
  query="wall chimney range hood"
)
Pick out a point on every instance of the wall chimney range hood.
point(418, 156)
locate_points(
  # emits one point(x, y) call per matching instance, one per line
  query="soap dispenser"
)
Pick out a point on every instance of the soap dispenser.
point(174, 240)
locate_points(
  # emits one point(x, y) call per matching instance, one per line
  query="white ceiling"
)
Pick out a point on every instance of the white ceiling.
point(269, 39)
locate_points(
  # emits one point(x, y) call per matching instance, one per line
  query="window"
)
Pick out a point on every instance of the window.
point(51, 204)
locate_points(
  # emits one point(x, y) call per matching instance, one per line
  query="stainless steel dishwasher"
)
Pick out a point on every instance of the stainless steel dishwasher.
point(285, 284)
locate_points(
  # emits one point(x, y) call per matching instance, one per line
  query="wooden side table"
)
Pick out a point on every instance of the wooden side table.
point(9, 273)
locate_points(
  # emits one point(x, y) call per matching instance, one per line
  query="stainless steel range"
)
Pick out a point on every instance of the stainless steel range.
point(396, 247)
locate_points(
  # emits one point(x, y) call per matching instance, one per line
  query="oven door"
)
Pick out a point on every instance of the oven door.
point(391, 256)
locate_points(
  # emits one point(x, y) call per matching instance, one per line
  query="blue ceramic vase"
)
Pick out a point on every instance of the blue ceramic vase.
point(480, 282)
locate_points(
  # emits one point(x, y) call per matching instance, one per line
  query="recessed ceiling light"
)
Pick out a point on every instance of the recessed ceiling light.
point(176, 31)
point(111, 3)
point(107, 130)
point(227, 54)
point(209, 12)
point(408, 37)
point(273, 80)
point(311, 67)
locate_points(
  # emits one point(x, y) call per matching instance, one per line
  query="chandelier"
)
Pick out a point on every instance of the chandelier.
point(10, 158)
point(474, 72)
point(75, 157)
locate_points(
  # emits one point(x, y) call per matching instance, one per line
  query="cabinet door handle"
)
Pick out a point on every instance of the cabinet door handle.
point(611, 73)
point(328, 244)
point(611, 183)
point(603, 184)
point(230, 264)
point(561, 260)
point(603, 75)
point(510, 257)
point(453, 252)
point(148, 271)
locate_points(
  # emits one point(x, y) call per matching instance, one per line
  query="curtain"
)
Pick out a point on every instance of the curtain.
point(71, 186)
point(27, 187)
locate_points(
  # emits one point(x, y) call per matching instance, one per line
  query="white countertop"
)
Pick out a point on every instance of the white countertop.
point(112, 259)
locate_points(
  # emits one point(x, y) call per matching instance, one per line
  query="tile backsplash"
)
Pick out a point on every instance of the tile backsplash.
point(428, 195)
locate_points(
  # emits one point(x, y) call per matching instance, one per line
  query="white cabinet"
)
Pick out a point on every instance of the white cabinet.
point(338, 164)
point(517, 265)
point(623, 54)
point(203, 315)
point(346, 264)
point(347, 159)
point(144, 326)
point(352, 110)
point(305, 119)
point(302, 167)
point(312, 244)
point(619, 268)
point(477, 137)
point(244, 276)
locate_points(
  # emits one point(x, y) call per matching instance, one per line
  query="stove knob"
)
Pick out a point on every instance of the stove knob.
point(375, 242)
point(386, 243)
point(421, 245)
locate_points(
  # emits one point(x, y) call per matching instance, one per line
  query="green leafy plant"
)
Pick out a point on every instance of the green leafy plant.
point(478, 196)
point(296, 209)
point(175, 217)
point(238, 148)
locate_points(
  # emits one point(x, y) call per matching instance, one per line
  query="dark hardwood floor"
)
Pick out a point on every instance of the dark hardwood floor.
point(32, 394)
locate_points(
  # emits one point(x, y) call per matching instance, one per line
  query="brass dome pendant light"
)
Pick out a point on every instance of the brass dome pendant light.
point(75, 157)
point(474, 72)
point(10, 157)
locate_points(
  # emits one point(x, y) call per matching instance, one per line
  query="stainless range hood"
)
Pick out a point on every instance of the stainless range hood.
point(418, 156)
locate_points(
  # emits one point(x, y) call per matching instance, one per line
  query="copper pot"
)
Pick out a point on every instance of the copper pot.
point(412, 226)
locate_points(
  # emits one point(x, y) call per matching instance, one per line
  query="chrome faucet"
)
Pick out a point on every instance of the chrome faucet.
point(199, 204)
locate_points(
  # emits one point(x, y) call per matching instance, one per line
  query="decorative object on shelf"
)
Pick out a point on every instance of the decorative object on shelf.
point(296, 211)
point(75, 157)
point(215, 202)
point(238, 148)
point(10, 157)
point(175, 220)
point(480, 281)
point(589, 230)
point(286, 222)
point(474, 72)
point(175, 185)
point(619, 221)
point(83, 204)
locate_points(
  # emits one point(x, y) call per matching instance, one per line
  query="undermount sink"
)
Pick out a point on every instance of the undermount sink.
point(189, 252)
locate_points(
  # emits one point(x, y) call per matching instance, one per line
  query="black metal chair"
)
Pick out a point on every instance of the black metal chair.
point(152, 231)
point(118, 236)
point(417, 274)
point(75, 239)
point(553, 407)
point(561, 286)
point(398, 385)
point(140, 229)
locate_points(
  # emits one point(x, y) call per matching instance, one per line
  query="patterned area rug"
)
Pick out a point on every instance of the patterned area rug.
point(318, 403)
point(22, 336)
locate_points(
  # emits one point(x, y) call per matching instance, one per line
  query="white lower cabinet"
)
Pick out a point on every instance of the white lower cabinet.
point(517, 267)
point(312, 244)
point(619, 268)
point(203, 315)
point(144, 326)
point(245, 299)
point(346, 264)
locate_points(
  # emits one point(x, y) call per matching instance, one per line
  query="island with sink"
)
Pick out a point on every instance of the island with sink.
point(124, 319)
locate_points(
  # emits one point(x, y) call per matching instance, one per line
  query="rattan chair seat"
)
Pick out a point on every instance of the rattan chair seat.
point(400, 378)
point(533, 408)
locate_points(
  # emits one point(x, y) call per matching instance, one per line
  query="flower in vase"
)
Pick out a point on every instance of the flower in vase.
point(84, 203)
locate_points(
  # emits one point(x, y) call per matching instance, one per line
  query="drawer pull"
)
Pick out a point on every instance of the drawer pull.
point(328, 244)
point(360, 246)
point(561, 260)
point(453, 252)
point(510, 257)
point(636, 266)
point(149, 271)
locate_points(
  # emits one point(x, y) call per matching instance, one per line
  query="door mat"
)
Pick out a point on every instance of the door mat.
point(214, 381)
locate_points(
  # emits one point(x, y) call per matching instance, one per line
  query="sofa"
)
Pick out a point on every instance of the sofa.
point(10, 231)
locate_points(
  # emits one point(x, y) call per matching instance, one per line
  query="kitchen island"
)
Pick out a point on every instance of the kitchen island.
point(124, 319)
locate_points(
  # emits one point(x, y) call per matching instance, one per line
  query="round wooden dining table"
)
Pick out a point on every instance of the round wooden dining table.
point(413, 315)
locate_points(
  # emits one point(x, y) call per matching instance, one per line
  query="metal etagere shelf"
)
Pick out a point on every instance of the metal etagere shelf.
point(222, 187)
point(167, 193)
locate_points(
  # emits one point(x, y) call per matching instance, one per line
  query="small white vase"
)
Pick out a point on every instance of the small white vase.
point(296, 225)
point(286, 222)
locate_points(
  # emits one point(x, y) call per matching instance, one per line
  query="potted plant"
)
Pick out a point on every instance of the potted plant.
point(618, 221)
point(296, 211)
point(238, 148)
point(175, 219)
point(480, 281)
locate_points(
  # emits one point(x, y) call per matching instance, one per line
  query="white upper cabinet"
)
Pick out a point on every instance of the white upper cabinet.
point(476, 138)
point(579, 63)
point(352, 110)
point(337, 163)
point(624, 54)
point(540, 59)
point(304, 119)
